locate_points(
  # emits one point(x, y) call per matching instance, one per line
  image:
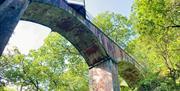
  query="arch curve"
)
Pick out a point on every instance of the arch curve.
point(98, 49)
point(129, 73)
point(68, 25)
point(61, 18)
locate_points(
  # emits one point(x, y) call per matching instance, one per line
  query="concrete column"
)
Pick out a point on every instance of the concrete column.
point(10, 13)
point(104, 77)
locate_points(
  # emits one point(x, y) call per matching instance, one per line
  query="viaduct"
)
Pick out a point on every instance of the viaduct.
point(106, 60)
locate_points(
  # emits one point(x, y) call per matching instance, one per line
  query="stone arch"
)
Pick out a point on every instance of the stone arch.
point(76, 29)
point(68, 25)
point(100, 52)
point(129, 73)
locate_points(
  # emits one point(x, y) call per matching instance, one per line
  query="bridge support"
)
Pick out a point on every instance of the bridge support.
point(104, 76)
point(10, 12)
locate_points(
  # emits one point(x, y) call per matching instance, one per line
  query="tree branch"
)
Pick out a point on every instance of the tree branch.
point(174, 26)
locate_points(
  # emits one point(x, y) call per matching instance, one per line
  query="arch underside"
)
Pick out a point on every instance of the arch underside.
point(129, 73)
point(56, 15)
point(68, 26)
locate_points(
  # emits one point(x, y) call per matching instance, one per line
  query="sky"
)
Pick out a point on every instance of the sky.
point(28, 35)
point(94, 7)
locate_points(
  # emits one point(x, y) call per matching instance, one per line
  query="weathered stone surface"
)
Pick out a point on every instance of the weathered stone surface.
point(10, 12)
point(1, 1)
point(104, 77)
point(128, 72)
point(90, 41)
point(92, 44)
point(68, 26)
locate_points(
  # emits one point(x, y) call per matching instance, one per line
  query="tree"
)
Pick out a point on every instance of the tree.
point(49, 68)
point(156, 23)
point(116, 26)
